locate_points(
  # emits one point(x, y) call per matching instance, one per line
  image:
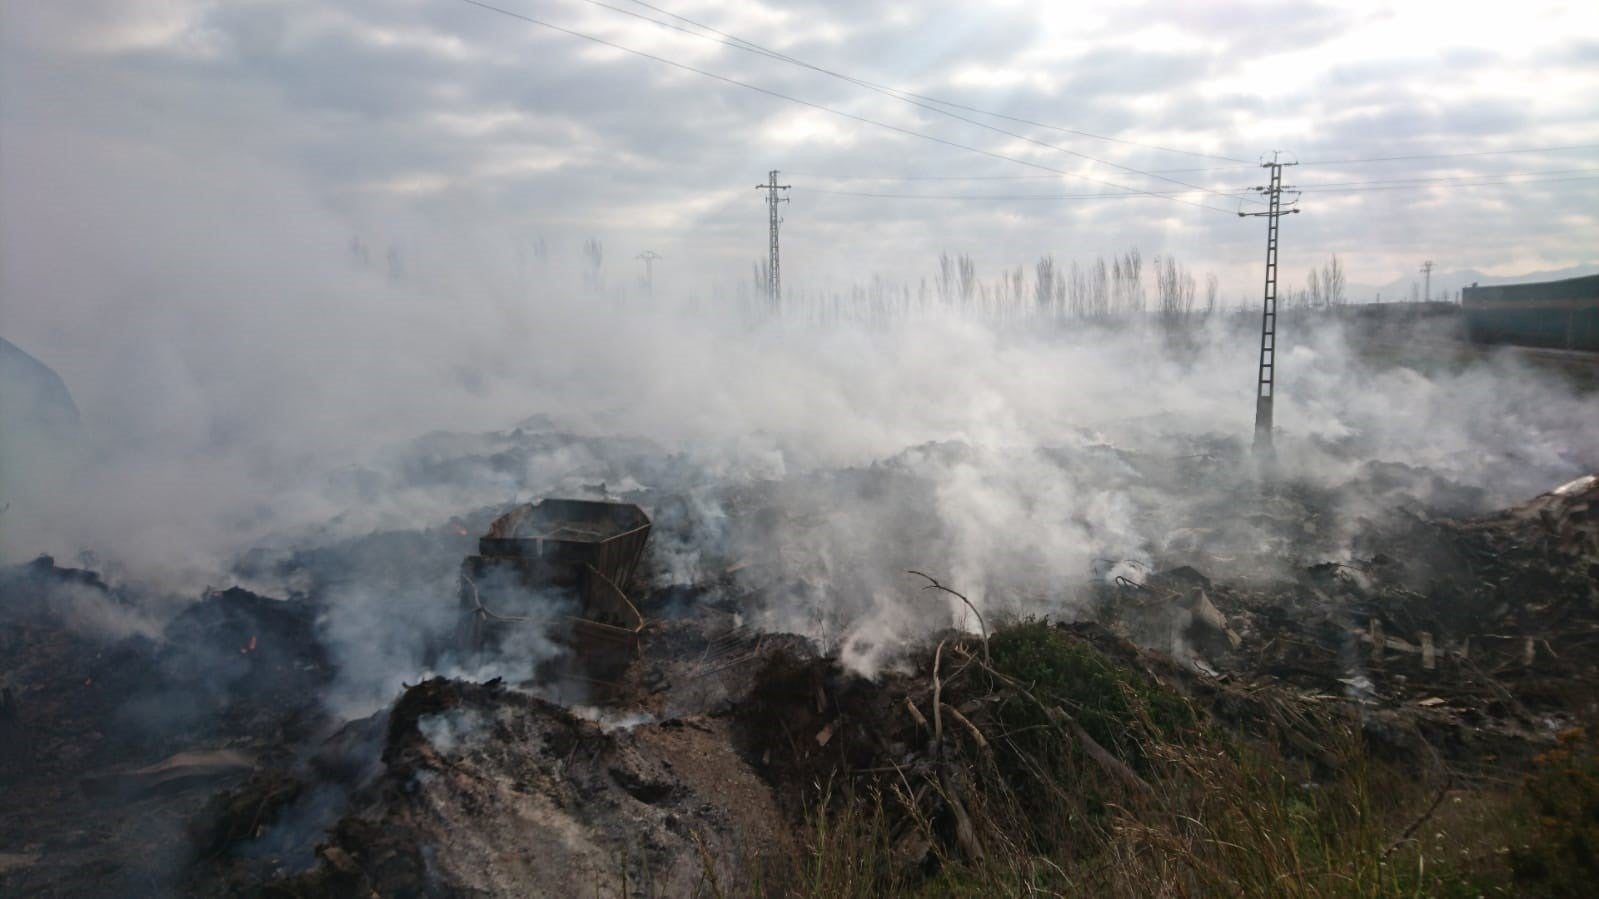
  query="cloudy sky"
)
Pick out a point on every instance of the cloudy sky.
point(462, 136)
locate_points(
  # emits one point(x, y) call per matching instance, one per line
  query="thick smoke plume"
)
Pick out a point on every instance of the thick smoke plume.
point(253, 384)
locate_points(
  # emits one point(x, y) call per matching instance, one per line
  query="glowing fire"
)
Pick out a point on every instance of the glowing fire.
point(248, 647)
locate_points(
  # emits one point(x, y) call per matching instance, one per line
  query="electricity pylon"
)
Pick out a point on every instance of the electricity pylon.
point(774, 277)
point(1266, 381)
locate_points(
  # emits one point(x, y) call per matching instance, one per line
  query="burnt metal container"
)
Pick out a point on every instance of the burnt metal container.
point(585, 548)
point(571, 534)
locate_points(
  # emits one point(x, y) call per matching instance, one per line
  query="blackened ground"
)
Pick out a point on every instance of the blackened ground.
point(235, 671)
point(215, 770)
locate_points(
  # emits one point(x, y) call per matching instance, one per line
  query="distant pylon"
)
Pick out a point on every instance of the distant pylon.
point(649, 257)
point(774, 276)
point(1266, 381)
point(1426, 269)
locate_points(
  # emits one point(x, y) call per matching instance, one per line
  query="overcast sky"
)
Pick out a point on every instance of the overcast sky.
point(462, 136)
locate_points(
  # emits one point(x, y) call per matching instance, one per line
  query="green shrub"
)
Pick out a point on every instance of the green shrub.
point(1118, 706)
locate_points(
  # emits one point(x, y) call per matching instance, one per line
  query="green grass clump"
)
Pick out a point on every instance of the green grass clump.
point(1118, 706)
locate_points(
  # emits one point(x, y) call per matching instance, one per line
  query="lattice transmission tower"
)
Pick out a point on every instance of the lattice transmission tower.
point(1266, 379)
point(774, 275)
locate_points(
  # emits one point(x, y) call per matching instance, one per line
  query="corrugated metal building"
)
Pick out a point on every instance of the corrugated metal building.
point(1560, 314)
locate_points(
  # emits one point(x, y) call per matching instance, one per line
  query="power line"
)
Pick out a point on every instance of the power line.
point(1452, 178)
point(1517, 183)
point(1453, 155)
point(827, 109)
point(738, 43)
point(925, 177)
point(1337, 188)
point(1099, 196)
point(733, 40)
point(1213, 169)
point(987, 177)
point(896, 91)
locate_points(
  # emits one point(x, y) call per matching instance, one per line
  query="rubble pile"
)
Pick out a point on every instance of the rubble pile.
point(487, 790)
point(201, 759)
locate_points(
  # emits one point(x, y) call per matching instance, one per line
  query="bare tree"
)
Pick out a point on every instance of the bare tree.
point(1332, 282)
point(968, 279)
point(1174, 290)
point(1212, 286)
point(1099, 291)
point(1315, 297)
point(1077, 292)
point(1127, 286)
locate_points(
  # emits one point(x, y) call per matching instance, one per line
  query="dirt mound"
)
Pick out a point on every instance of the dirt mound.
point(492, 791)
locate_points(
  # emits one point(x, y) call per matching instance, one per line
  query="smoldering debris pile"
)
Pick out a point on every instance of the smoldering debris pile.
point(199, 758)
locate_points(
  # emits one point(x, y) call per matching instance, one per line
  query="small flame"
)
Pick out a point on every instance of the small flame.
point(458, 529)
point(88, 682)
point(248, 647)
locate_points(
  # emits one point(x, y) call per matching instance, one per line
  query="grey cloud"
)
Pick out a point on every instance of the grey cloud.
point(1255, 26)
point(1120, 71)
point(1582, 52)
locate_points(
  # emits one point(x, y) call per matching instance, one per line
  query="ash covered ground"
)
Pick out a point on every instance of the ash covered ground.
point(310, 725)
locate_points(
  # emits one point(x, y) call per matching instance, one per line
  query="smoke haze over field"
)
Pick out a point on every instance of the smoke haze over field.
point(269, 246)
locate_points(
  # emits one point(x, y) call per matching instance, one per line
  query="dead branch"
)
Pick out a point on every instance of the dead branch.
point(916, 714)
point(938, 693)
point(962, 720)
point(1112, 765)
point(933, 584)
point(965, 833)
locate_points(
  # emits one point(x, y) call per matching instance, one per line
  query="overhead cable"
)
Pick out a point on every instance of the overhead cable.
point(1452, 155)
point(738, 43)
point(879, 87)
point(827, 109)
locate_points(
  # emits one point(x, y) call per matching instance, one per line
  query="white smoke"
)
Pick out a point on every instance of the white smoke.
point(249, 375)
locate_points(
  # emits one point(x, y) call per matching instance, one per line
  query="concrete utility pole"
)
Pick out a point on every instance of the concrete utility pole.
point(649, 257)
point(1266, 381)
point(774, 278)
point(1426, 269)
